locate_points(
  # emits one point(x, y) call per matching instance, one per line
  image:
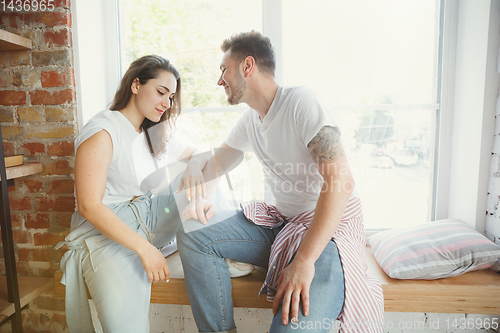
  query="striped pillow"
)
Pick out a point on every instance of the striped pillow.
point(433, 250)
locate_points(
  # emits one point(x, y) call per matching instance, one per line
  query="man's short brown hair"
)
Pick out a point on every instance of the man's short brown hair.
point(253, 44)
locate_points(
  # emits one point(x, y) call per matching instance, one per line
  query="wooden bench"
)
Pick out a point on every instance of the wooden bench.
point(474, 292)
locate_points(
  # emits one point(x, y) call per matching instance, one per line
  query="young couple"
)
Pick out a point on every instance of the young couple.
point(312, 241)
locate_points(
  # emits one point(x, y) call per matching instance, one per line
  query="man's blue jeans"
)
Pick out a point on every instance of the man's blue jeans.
point(209, 286)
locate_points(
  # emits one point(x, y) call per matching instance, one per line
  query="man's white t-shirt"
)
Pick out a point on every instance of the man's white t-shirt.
point(132, 161)
point(280, 143)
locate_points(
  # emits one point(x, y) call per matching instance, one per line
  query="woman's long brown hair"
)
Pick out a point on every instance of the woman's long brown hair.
point(145, 69)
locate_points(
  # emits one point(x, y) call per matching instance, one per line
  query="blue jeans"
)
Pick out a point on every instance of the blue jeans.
point(114, 274)
point(209, 286)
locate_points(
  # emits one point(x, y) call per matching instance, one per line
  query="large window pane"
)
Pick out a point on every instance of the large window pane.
point(245, 182)
point(363, 51)
point(376, 63)
point(188, 33)
point(389, 153)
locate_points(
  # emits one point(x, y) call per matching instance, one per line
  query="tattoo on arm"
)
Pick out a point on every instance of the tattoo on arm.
point(326, 145)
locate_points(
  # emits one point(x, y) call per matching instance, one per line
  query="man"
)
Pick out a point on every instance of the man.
point(312, 276)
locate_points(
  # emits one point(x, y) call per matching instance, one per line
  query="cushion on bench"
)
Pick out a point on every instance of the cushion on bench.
point(433, 250)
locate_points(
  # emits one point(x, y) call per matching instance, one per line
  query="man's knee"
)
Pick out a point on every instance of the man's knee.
point(187, 241)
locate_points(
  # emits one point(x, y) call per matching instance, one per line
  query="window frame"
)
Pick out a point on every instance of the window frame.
point(460, 23)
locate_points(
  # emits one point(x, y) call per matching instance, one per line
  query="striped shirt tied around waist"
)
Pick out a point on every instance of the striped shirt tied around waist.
point(364, 302)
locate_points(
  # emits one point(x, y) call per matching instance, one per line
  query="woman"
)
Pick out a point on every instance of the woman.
point(119, 225)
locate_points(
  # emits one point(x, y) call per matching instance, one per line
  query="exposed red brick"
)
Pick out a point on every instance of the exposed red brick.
point(52, 19)
point(23, 268)
point(47, 238)
point(16, 220)
point(49, 272)
point(9, 149)
point(49, 302)
point(17, 20)
point(37, 254)
point(37, 221)
point(10, 20)
point(6, 78)
point(25, 78)
point(31, 149)
point(29, 317)
point(7, 114)
point(65, 148)
point(59, 186)
point(62, 3)
point(55, 78)
point(57, 38)
point(12, 97)
point(12, 132)
point(34, 186)
point(50, 58)
point(21, 236)
point(42, 97)
point(23, 254)
point(50, 131)
point(16, 203)
point(57, 113)
point(14, 59)
point(73, 77)
point(58, 254)
point(57, 167)
point(31, 114)
point(61, 220)
point(58, 204)
point(61, 319)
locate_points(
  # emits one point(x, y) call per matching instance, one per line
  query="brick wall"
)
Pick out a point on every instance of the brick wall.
point(38, 116)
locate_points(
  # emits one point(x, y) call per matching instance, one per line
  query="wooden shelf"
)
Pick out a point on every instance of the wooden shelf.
point(23, 170)
point(13, 42)
point(30, 287)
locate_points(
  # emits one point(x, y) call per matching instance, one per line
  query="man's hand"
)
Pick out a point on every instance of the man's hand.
point(199, 209)
point(293, 284)
point(194, 182)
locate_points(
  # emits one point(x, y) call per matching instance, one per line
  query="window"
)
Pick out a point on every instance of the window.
point(375, 62)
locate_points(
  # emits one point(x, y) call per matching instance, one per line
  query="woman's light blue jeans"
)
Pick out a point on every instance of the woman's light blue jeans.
point(209, 286)
point(114, 274)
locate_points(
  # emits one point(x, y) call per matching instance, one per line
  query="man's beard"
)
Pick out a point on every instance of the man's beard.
point(237, 90)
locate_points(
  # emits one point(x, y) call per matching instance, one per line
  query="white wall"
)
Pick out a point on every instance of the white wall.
point(476, 88)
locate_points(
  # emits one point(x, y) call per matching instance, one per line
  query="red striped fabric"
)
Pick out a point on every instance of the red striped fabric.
point(363, 309)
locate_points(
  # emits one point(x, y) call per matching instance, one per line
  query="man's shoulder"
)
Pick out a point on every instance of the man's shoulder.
point(298, 91)
point(300, 95)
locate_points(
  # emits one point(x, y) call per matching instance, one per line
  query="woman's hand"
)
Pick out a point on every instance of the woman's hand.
point(199, 209)
point(155, 265)
point(193, 181)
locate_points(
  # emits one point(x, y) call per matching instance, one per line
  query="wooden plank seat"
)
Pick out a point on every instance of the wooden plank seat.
point(474, 292)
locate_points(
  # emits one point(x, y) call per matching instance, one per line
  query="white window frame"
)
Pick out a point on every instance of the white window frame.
point(469, 65)
point(95, 49)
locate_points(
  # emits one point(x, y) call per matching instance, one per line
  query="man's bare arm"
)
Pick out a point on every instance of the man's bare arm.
point(328, 154)
point(326, 145)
